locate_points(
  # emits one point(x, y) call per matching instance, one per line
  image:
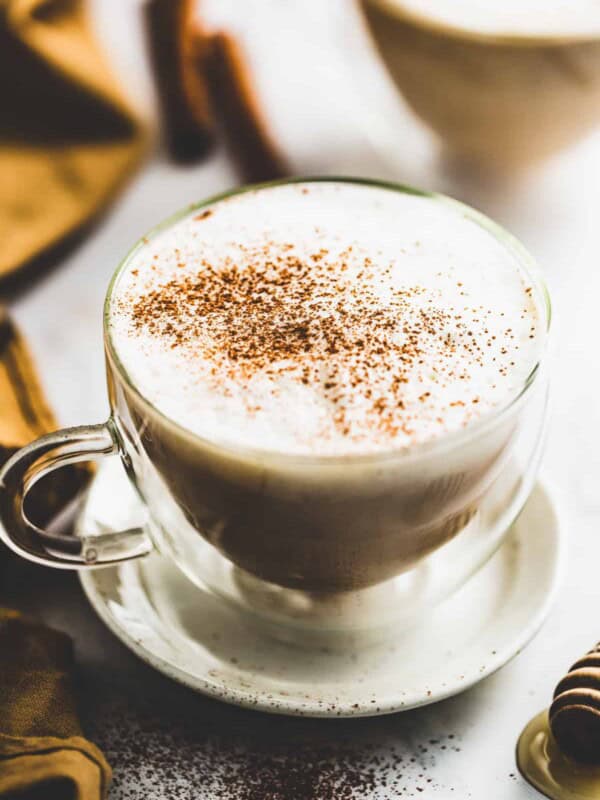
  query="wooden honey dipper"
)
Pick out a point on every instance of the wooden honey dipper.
point(558, 751)
point(574, 715)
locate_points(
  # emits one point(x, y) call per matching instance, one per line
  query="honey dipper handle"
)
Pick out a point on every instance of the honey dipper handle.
point(26, 468)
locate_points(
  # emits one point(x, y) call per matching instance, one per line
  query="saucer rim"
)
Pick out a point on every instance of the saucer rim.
point(252, 699)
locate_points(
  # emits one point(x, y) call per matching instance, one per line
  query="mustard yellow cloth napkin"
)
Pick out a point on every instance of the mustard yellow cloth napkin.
point(43, 754)
point(67, 136)
point(25, 415)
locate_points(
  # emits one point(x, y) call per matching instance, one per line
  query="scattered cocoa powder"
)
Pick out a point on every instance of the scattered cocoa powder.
point(191, 749)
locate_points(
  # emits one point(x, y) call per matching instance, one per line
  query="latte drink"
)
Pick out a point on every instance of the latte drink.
point(325, 375)
point(503, 85)
point(510, 19)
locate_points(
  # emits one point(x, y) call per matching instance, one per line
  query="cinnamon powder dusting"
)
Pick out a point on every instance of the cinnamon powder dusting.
point(377, 360)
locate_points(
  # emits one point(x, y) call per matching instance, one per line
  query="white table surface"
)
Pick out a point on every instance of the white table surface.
point(158, 735)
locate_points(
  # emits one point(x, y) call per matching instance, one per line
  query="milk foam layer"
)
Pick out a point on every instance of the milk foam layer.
point(326, 318)
point(555, 18)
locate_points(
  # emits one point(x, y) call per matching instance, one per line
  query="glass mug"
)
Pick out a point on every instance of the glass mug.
point(307, 544)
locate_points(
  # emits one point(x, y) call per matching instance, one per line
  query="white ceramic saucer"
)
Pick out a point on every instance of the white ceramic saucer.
point(197, 639)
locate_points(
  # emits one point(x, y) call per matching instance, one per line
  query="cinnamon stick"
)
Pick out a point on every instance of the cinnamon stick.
point(237, 107)
point(182, 91)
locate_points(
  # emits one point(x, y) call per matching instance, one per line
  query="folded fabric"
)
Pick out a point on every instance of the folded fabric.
point(43, 754)
point(67, 136)
point(25, 415)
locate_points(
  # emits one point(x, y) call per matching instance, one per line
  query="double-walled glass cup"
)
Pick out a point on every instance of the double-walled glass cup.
point(317, 544)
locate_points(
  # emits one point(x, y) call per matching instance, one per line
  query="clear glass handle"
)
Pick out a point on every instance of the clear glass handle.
point(26, 467)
